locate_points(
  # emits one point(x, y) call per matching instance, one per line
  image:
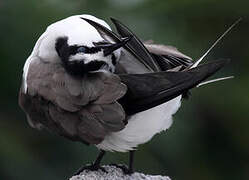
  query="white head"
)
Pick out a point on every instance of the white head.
point(77, 44)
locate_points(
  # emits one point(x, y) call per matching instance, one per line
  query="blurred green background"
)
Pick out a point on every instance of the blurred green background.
point(210, 135)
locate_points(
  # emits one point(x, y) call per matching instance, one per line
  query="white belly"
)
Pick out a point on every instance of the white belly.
point(141, 127)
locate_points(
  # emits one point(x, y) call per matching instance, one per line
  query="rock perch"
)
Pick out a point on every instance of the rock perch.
point(115, 174)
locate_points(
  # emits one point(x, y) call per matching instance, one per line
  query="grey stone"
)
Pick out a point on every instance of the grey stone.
point(115, 174)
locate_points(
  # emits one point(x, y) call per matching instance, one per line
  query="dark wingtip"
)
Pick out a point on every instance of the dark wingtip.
point(94, 24)
point(180, 83)
point(84, 18)
point(88, 20)
point(136, 45)
point(210, 68)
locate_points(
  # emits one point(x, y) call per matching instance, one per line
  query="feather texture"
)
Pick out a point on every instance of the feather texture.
point(85, 108)
point(116, 112)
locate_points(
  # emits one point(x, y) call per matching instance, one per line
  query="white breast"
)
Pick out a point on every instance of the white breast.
point(142, 127)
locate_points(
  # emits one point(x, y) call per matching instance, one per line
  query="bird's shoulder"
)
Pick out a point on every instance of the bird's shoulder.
point(52, 81)
point(80, 108)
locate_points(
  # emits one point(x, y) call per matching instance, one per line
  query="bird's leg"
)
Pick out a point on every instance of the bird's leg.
point(94, 166)
point(124, 168)
point(131, 160)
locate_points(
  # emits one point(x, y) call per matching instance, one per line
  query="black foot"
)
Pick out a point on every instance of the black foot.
point(124, 168)
point(92, 167)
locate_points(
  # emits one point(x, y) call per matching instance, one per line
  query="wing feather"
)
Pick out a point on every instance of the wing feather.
point(168, 57)
point(110, 36)
point(148, 90)
point(136, 44)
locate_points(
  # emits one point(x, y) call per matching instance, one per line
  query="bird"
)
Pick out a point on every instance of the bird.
point(87, 83)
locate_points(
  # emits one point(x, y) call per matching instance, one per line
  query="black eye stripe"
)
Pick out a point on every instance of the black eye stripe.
point(61, 46)
point(88, 50)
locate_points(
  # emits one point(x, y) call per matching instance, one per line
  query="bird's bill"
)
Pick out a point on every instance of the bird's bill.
point(109, 48)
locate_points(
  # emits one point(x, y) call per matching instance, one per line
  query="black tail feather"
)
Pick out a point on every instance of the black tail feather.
point(146, 91)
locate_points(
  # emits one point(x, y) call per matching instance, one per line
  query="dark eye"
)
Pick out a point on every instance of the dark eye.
point(82, 50)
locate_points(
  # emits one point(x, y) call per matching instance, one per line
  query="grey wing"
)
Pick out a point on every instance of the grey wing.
point(83, 109)
point(128, 64)
point(168, 57)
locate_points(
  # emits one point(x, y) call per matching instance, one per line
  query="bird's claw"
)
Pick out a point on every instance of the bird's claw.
point(124, 168)
point(91, 167)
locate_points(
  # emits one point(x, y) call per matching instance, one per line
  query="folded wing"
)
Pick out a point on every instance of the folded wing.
point(152, 89)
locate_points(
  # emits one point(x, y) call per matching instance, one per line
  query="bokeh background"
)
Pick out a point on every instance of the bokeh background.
point(210, 135)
